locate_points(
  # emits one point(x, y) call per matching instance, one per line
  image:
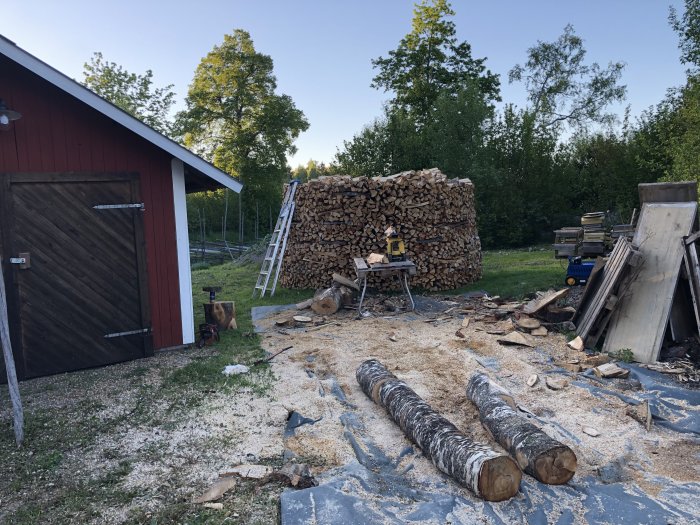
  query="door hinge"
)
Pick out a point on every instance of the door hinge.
point(140, 205)
point(131, 332)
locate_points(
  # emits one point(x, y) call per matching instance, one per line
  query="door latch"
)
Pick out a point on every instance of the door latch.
point(23, 261)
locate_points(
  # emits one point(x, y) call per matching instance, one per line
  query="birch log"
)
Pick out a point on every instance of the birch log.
point(489, 474)
point(539, 455)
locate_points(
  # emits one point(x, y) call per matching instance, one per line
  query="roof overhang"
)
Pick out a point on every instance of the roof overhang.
point(199, 169)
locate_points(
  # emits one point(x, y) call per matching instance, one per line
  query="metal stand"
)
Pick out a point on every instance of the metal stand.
point(404, 268)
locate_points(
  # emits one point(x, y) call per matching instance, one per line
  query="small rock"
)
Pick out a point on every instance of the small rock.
point(215, 506)
point(532, 380)
point(591, 431)
point(540, 331)
point(555, 384)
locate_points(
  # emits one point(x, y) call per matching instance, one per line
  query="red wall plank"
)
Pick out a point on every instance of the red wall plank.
point(59, 133)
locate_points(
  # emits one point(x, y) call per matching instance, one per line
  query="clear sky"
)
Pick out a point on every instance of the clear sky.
point(322, 49)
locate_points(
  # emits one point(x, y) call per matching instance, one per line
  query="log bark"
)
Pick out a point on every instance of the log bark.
point(539, 455)
point(331, 300)
point(489, 474)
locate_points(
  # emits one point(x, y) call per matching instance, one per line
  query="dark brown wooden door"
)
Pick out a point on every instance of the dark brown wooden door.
point(82, 302)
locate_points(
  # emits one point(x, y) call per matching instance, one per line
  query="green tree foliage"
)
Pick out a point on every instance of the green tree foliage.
point(429, 60)
point(236, 120)
point(514, 181)
point(688, 28)
point(133, 93)
point(685, 142)
point(312, 170)
point(562, 88)
point(367, 154)
point(603, 171)
point(442, 97)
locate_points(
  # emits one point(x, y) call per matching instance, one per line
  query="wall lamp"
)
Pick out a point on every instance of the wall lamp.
point(7, 115)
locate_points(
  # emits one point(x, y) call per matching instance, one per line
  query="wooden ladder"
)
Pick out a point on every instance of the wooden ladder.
point(275, 250)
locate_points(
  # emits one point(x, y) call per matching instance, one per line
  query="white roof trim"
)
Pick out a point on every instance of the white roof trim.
point(70, 86)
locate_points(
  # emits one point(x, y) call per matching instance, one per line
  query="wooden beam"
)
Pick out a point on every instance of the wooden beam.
point(16, 400)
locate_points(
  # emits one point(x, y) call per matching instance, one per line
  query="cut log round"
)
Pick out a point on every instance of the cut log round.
point(539, 455)
point(329, 301)
point(490, 475)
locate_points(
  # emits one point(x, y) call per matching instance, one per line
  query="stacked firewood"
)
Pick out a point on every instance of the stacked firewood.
point(339, 218)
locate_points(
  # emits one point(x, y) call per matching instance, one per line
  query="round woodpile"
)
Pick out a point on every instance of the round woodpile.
point(338, 218)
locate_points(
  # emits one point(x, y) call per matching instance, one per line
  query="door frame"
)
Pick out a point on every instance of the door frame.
point(8, 248)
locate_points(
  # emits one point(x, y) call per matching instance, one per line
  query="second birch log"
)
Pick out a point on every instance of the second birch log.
point(539, 455)
point(489, 474)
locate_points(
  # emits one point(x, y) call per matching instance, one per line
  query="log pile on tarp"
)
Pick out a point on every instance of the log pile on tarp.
point(338, 218)
point(489, 474)
point(539, 455)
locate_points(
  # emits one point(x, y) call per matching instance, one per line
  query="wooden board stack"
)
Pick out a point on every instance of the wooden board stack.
point(338, 218)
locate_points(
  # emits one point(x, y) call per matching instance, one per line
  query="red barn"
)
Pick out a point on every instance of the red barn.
point(93, 224)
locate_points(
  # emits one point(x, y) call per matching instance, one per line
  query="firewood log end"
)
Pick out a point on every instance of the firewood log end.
point(499, 479)
point(556, 467)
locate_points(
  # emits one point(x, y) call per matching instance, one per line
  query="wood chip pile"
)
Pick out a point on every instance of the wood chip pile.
point(338, 218)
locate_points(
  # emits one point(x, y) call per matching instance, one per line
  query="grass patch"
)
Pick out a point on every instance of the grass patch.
point(240, 346)
point(519, 272)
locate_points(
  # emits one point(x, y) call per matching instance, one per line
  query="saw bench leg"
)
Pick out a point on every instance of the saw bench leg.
point(362, 295)
point(404, 282)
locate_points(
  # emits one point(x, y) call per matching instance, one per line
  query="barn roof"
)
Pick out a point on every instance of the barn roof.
point(197, 169)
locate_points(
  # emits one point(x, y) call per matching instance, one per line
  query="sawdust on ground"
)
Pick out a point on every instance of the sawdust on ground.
point(437, 364)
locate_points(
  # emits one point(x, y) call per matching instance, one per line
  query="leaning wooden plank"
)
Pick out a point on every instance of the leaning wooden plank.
point(489, 474)
point(341, 279)
point(539, 455)
point(13, 386)
point(612, 274)
point(640, 319)
point(692, 268)
point(592, 285)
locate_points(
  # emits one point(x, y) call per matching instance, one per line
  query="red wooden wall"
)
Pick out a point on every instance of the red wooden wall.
point(58, 133)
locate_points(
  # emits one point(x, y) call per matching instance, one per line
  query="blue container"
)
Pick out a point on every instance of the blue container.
point(578, 271)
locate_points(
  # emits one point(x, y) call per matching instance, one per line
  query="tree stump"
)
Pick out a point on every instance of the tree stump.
point(539, 455)
point(222, 314)
point(490, 475)
point(331, 300)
